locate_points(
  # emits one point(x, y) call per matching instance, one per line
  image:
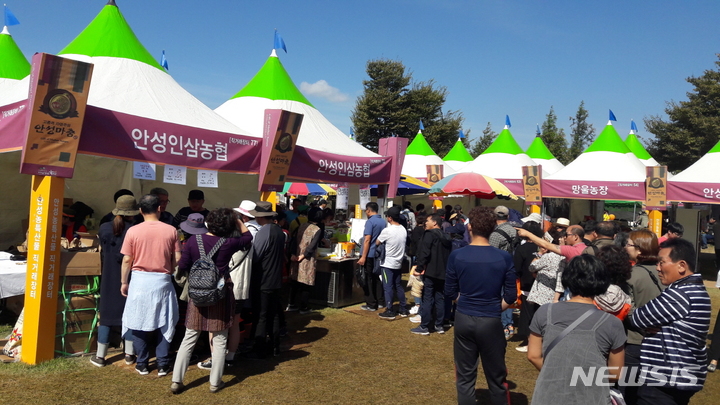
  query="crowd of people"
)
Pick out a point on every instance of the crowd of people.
point(638, 299)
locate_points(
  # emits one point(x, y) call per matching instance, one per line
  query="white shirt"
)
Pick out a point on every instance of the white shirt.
point(394, 237)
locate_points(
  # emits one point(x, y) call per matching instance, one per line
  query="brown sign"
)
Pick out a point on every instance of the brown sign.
point(532, 184)
point(434, 173)
point(58, 96)
point(656, 188)
point(280, 133)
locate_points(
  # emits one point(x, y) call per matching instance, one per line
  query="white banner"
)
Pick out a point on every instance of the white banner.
point(342, 197)
point(144, 170)
point(207, 178)
point(175, 174)
point(364, 195)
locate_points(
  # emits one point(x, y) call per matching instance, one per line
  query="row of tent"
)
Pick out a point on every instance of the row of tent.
point(152, 102)
point(609, 169)
point(136, 111)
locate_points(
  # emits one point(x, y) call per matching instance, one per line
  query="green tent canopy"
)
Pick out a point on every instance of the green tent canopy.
point(538, 150)
point(272, 82)
point(419, 146)
point(637, 148)
point(110, 35)
point(504, 143)
point(608, 141)
point(458, 153)
point(13, 64)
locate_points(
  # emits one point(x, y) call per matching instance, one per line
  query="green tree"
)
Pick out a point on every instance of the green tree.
point(484, 141)
point(581, 134)
point(554, 137)
point(392, 104)
point(693, 126)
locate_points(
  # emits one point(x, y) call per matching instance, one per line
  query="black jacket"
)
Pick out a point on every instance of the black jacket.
point(433, 252)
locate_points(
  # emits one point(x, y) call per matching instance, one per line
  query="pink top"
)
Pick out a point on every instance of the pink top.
point(151, 244)
point(662, 239)
point(571, 251)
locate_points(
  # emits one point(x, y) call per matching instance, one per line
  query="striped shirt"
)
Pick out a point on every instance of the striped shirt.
point(676, 356)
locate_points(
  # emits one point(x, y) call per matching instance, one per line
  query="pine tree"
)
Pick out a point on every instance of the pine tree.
point(554, 137)
point(582, 133)
point(393, 105)
point(484, 141)
point(693, 126)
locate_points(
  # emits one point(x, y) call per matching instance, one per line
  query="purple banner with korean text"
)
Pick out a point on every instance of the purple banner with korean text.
point(395, 147)
point(320, 167)
point(123, 136)
point(704, 193)
point(594, 190)
point(12, 124)
point(514, 185)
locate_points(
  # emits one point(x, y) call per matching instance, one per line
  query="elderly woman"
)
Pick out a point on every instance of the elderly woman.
point(216, 318)
point(643, 285)
point(302, 272)
point(556, 357)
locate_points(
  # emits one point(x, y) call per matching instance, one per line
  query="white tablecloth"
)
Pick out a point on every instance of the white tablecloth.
point(12, 276)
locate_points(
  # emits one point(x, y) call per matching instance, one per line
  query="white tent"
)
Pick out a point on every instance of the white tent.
point(700, 182)
point(606, 170)
point(541, 155)
point(503, 160)
point(419, 154)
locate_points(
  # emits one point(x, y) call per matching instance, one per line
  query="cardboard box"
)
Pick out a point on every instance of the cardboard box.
point(80, 264)
point(79, 315)
point(76, 343)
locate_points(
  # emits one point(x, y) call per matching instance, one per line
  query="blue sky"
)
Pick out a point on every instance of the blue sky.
point(495, 57)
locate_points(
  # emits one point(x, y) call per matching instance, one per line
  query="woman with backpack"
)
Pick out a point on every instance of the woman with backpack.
point(644, 285)
point(214, 317)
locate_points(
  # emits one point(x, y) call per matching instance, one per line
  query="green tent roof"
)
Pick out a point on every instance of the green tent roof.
point(715, 148)
point(110, 35)
point(13, 64)
point(608, 141)
point(274, 83)
point(419, 146)
point(636, 147)
point(538, 150)
point(458, 153)
point(504, 143)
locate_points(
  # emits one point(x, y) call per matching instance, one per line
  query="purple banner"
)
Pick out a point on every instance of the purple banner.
point(395, 147)
point(705, 193)
point(514, 185)
point(321, 167)
point(123, 136)
point(594, 190)
point(13, 119)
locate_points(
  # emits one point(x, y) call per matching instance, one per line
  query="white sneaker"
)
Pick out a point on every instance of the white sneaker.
point(414, 310)
point(415, 319)
point(523, 349)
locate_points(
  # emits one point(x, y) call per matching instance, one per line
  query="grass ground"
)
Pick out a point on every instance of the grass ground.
point(333, 357)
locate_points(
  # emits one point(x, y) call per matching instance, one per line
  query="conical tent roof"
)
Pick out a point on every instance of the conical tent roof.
point(13, 69)
point(637, 148)
point(458, 156)
point(503, 160)
point(699, 182)
point(419, 154)
point(319, 143)
point(541, 155)
point(136, 111)
point(607, 170)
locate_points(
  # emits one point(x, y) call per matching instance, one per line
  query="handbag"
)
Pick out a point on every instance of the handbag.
point(616, 397)
point(360, 275)
point(240, 271)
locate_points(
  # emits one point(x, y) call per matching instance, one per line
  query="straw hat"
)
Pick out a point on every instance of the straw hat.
point(126, 206)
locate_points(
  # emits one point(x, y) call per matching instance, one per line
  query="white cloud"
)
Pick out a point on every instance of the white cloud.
point(321, 88)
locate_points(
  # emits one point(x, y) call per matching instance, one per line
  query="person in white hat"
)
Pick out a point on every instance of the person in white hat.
point(247, 217)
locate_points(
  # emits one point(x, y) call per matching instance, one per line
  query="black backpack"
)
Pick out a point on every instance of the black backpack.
point(206, 286)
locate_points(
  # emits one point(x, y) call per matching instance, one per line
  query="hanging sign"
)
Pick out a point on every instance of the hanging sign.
point(57, 100)
point(175, 174)
point(656, 188)
point(207, 178)
point(532, 178)
point(280, 133)
point(364, 196)
point(144, 171)
point(341, 202)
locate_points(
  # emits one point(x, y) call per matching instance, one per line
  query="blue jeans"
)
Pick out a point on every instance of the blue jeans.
point(104, 334)
point(142, 342)
point(433, 296)
point(507, 317)
point(391, 283)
